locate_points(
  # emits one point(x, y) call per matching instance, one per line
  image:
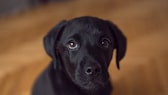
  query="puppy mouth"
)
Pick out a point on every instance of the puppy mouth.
point(93, 83)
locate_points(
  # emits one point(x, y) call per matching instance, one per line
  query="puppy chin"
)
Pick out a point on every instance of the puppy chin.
point(91, 85)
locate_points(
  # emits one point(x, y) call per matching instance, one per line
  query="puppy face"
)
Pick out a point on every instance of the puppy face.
point(84, 47)
point(86, 50)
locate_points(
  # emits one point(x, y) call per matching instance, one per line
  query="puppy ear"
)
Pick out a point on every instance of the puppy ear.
point(120, 43)
point(51, 39)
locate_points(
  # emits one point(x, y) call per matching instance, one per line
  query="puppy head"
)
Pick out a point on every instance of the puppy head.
point(84, 47)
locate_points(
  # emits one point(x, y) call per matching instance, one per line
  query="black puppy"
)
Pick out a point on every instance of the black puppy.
point(81, 50)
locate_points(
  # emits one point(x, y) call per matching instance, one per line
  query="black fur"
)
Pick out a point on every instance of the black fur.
point(81, 50)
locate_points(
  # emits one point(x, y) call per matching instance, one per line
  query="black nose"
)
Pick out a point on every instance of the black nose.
point(92, 71)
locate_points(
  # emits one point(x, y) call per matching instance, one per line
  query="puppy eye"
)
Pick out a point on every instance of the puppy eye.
point(72, 45)
point(104, 42)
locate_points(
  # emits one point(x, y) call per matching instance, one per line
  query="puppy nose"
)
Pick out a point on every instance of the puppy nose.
point(92, 71)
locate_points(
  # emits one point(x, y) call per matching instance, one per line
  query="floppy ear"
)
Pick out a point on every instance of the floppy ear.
point(51, 39)
point(120, 42)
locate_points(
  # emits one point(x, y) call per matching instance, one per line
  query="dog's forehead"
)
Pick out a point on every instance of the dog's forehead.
point(92, 27)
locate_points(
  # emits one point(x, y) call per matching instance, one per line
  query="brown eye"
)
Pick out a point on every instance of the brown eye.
point(72, 45)
point(105, 42)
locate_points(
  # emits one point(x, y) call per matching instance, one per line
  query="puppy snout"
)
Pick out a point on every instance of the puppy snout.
point(92, 70)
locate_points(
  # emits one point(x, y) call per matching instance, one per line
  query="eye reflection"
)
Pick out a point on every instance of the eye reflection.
point(72, 45)
point(104, 42)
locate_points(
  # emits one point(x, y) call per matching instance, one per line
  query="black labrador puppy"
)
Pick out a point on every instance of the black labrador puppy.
point(81, 50)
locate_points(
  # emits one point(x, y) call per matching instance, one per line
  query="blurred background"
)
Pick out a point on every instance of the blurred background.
point(23, 23)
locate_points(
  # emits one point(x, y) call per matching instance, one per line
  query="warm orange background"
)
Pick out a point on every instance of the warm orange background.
point(144, 70)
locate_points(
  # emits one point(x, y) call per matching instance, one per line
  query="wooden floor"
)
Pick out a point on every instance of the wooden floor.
point(144, 70)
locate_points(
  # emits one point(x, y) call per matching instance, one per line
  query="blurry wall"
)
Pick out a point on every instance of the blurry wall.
point(15, 6)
